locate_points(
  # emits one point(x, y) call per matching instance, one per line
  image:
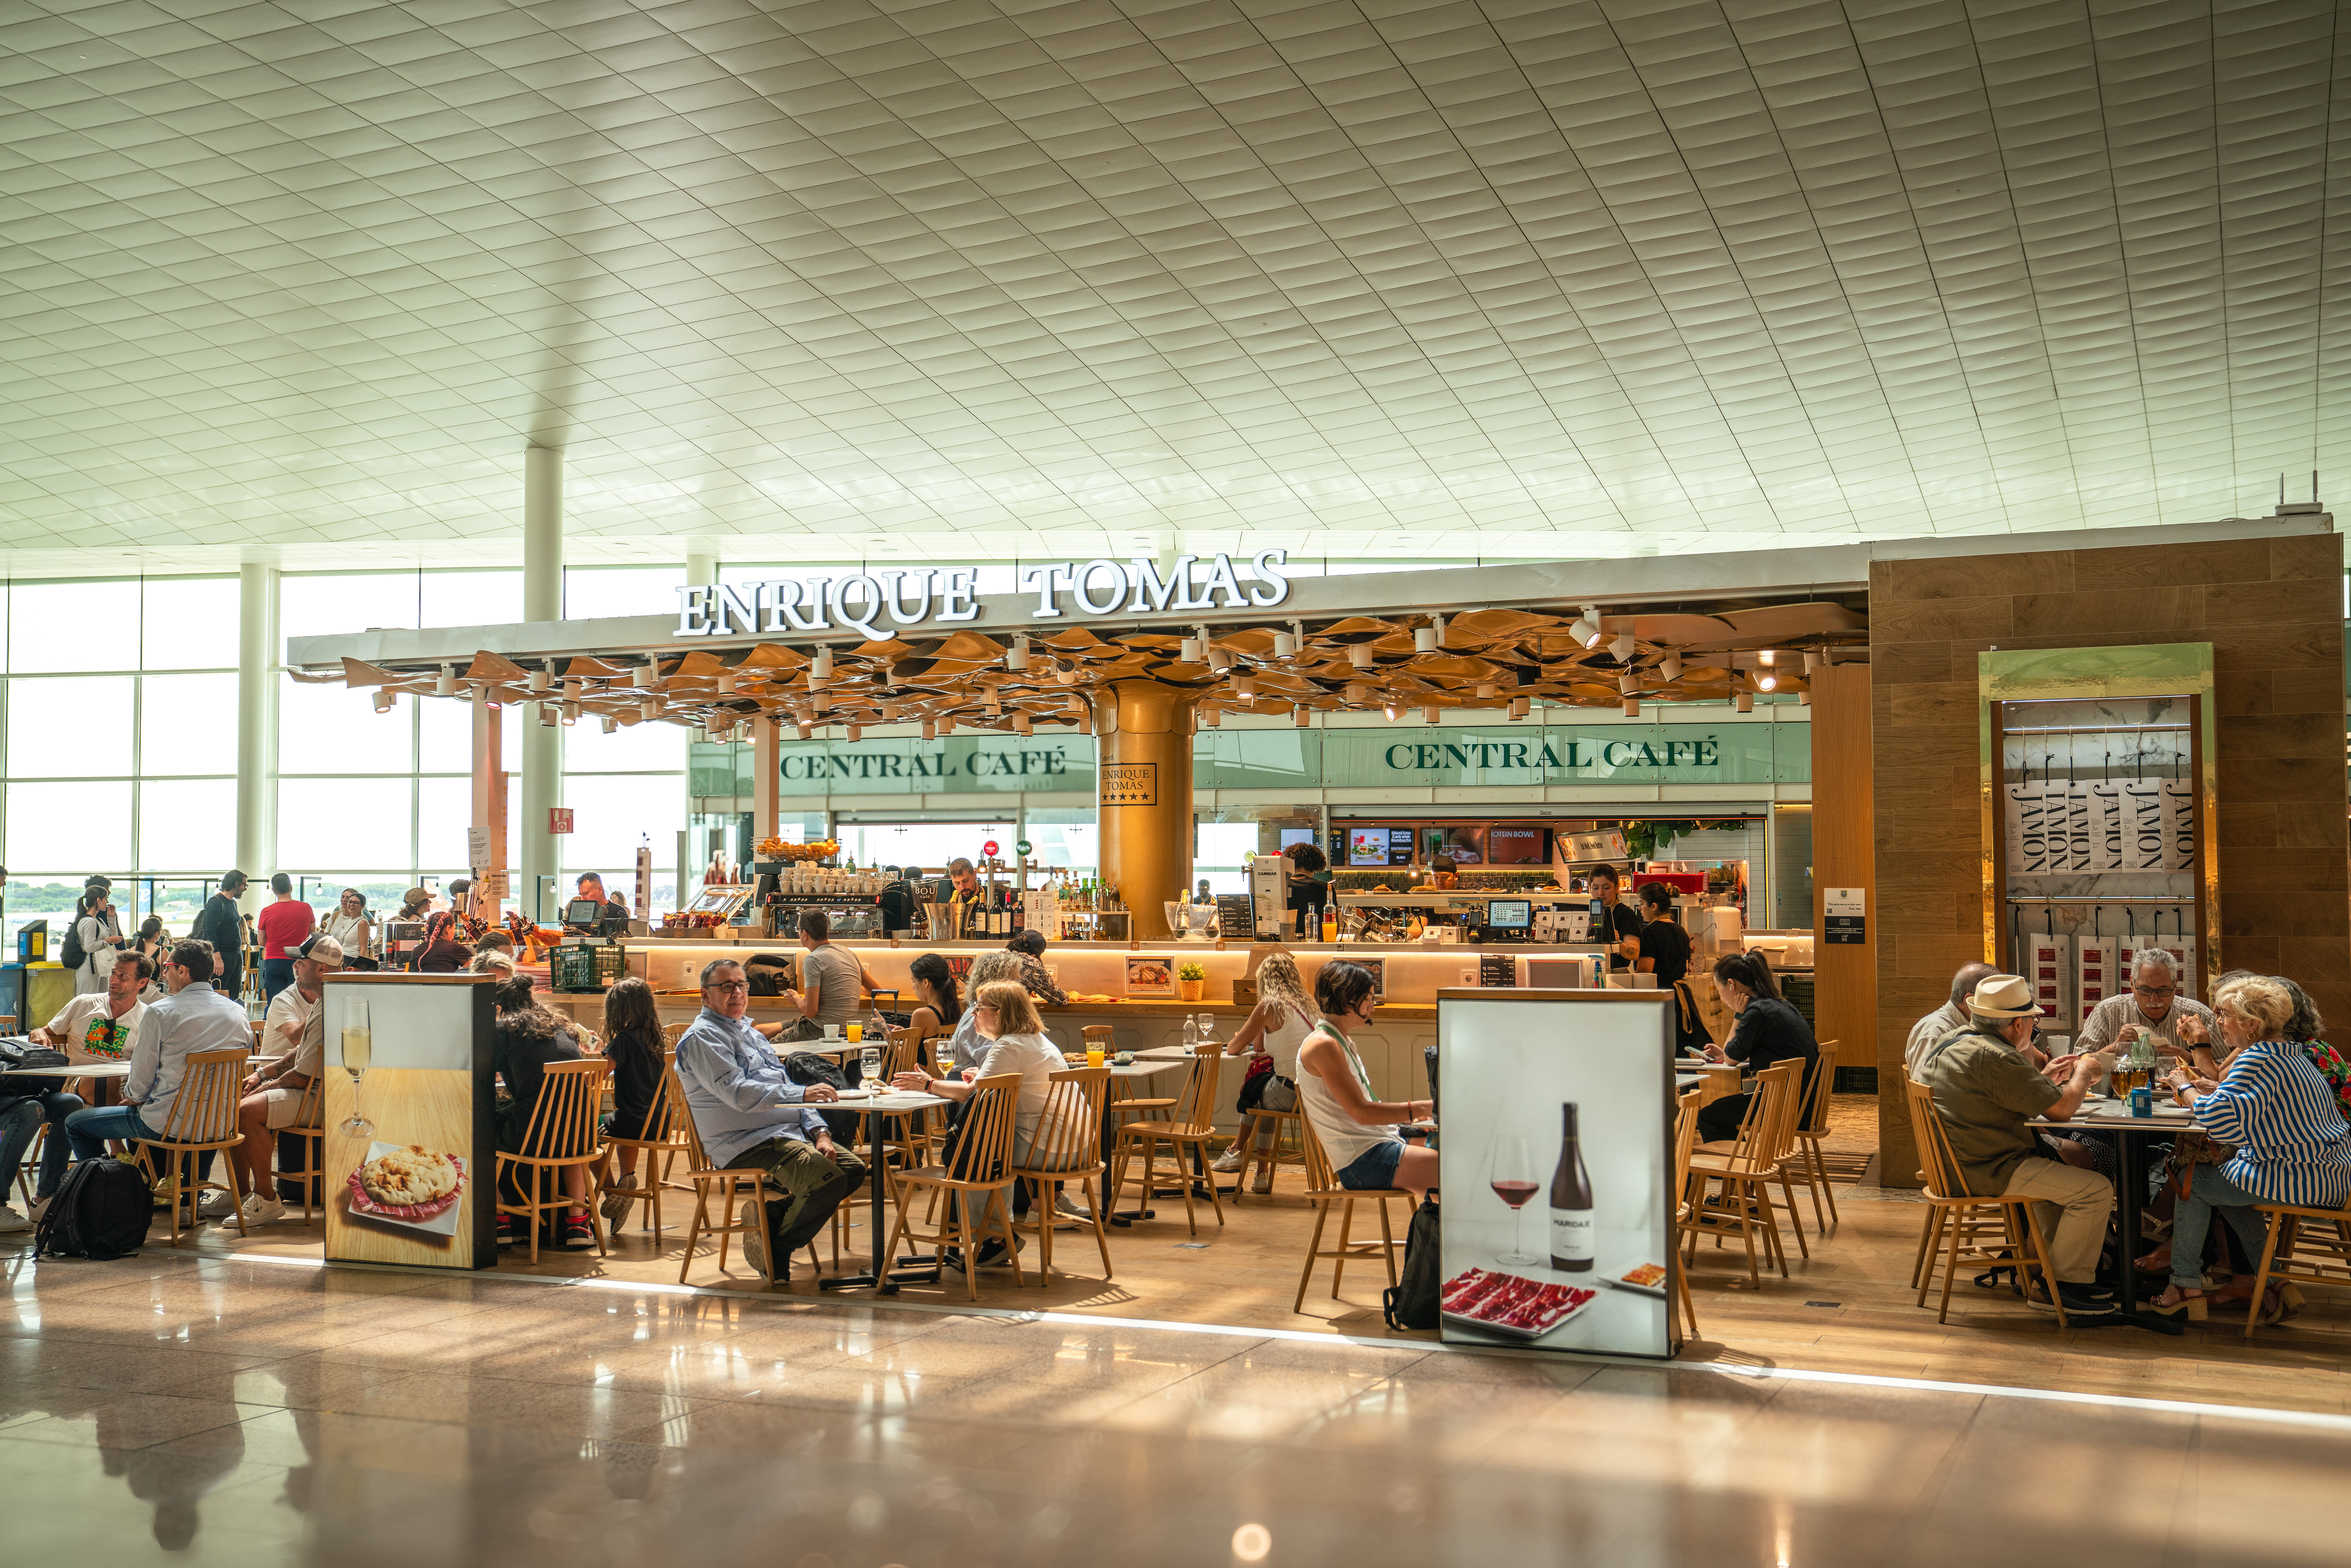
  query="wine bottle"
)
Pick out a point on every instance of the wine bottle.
point(1571, 1203)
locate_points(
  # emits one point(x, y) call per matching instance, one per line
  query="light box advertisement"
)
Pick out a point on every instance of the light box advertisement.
point(411, 1157)
point(1555, 1121)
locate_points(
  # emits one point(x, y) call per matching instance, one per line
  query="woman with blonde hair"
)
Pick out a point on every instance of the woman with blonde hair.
point(1015, 1036)
point(2292, 1145)
point(1284, 1016)
point(966, 1045)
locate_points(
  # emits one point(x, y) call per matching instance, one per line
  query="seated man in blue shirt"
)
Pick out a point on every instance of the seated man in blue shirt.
point(749, 1114)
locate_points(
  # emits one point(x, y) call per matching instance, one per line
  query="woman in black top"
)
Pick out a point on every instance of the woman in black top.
point(634, 1044)
point(1769, 1031)
point(1665, 945)
point(530, 1038)
point(934, 994)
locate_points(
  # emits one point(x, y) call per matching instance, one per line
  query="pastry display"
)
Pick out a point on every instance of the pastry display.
point(408, 1183)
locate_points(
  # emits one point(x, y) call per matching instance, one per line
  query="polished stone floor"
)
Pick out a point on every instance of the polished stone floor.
point(256, 1413)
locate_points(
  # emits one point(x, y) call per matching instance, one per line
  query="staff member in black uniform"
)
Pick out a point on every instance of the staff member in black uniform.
point(1769, 1030)
point(1666, 952)
point(1613, 920)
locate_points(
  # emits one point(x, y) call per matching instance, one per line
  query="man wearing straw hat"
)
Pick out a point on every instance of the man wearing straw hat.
point(1986, 1093)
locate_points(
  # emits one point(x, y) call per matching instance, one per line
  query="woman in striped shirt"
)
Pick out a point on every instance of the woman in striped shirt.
point(2293, 1145)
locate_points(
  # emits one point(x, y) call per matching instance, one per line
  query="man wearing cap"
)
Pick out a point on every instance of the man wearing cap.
point(1986, 1092)
point(274, 1090)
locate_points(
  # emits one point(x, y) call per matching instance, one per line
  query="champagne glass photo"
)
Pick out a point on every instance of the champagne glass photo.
point(358, 1043)
point(1510, 1172)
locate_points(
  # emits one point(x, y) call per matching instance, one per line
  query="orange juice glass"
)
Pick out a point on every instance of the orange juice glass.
point(855, 1031)
point(1093, 1056)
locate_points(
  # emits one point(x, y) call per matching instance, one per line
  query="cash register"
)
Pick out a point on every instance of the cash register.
point(1508, 920)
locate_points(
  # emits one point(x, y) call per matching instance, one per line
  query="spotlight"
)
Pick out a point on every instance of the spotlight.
point(1245, 688)
point(547, 714)
point(821, 667)
point(534, 682)
point(1587, 629)
point(568, 711)
point(1766, 658)
point(1487, 691)
point(1672, 668)
point(1428, 639)
point(1428, 716)
point(995, 704)
point(930, 729)
point(648, 672)
point(1220, 660)
point(1068, 675)
point(1632, 707)
point(1629, 683)
point(1300, 716)
point(1360, 655)
point(1285, 645)
point(1804, 699)
point(649, 708)
point(946, 723)
point(725, 682)
point(1391, 710)
point(1744, 702)
point(1189, 650)
point(1016, 658)
point(1357, 694)
point(804, 731)
point(574, 688)
point(611, 725)
point(856, 733)
point(444, 684)
point(1766, 681)
point(1215, 715)
point(1021, 724)
point(1518, 707)
point(383, 701)
point(1811, 662)
point(1624, 646)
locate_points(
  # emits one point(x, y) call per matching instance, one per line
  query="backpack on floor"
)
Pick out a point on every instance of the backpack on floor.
point(1411, 1302)
point(100, 1212)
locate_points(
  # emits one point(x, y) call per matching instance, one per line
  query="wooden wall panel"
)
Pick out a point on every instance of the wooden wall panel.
point(2272, 609)
point(1845, 994)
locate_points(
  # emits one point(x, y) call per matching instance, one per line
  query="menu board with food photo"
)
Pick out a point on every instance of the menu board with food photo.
point(411, 1157)
point(1556, 1144)
point(1147, 975)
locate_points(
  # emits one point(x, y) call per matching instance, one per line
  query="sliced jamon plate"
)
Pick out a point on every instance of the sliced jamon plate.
point(1511, 1304)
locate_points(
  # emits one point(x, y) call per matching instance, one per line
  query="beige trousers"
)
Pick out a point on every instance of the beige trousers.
point(2073, 1205)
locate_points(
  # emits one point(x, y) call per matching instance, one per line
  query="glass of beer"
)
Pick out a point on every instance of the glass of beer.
point(358, 1047)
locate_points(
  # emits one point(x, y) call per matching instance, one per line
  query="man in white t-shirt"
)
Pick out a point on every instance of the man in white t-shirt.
point(95, 1025)
point(274, 1091)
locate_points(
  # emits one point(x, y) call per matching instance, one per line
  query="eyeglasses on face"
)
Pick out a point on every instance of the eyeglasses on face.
point(728, 986)
point(2154, 990)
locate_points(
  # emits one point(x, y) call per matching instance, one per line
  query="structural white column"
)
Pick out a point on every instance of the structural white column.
point(542, 599)
point(257, 724)
point(701, 568)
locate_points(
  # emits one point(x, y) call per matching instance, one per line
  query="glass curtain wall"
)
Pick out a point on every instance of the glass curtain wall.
point(119, 727)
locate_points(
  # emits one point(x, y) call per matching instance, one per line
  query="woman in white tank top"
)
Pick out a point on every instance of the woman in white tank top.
point(1368, 1150)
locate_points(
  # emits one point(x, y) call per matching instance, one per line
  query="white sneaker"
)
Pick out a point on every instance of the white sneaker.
point(11, 1221)
point(1229, 1161)
point(1068, 1207)
point(41, 1206)
point(215, 1204)
point(258, 1210)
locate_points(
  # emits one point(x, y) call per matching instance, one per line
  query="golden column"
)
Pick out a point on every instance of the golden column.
point(1144, 797)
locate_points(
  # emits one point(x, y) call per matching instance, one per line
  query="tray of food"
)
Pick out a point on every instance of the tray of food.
point(408, 1185)
point(1647, 1280)
point(1510, 1304)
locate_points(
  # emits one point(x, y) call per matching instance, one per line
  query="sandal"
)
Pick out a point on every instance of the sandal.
point(2155, 1262)
point(2174, 1301)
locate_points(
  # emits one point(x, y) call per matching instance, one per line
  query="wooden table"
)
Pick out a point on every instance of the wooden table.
point(883, 1280)
point(76, 1069)
point(2100, 1115)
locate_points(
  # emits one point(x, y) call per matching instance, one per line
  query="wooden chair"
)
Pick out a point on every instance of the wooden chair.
point(2306, 1247)
point(203, 1116)
point(1189, 1126)
point(746, 1181)
point(309, 1127)
point(563, 1132)
point(980, 1172)
point(1965, 1228)
point(1323, 1191)
point(1284, 1144)
point(1685, 1140)
point(1745, 1167)
point(658, 1142)
point(671, 1032)
point(1070, 1152)
point(1812, 1123)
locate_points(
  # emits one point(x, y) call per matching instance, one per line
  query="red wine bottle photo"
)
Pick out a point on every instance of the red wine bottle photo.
point(1571, 1203)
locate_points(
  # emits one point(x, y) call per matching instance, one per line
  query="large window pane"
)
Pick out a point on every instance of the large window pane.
point(189, 623)
point(330, 603)
point(590, 592)
point(341, 822)
point(445, 735)
point(445, 809)
point(73, 626)
point(189, 825)
point(471, 598)
point(187, 723)
point(640, 747)
point(70, 726)
point(335, 729)
point(613, 814)
point(68, 830)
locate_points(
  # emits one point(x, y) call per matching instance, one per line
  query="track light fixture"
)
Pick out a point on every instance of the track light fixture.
point(1188, 651)
point(1300, 716)
point(569, 712)
point(1428, 716)
point(1629, 684)
point(1765, 681)
point(611, 725)
point(1587, 629)
point(1520, 707)
point(649, 708)
point(383, 701)
point(1632, 707)
point(1016, 658)
point(535, 681)
point(1245, 688)
point(647, 673)
point(725, 682)
point(1624, 647)
point(930, 729)
point(1743, 702)
point(1285, 645)
point(444, 684)
point(1671, 668)
point(1360, 655)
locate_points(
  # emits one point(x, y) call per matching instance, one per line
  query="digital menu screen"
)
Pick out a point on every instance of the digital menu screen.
point(1518, 843)
point(1379, 846)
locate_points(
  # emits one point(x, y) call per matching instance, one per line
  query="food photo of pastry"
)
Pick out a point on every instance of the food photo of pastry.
point(408, 1185)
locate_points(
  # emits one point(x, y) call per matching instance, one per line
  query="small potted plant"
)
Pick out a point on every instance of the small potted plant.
point(1191, 979)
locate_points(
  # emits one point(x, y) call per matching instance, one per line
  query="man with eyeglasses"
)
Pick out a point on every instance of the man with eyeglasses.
point(750, 1113)
point(2154, 1006)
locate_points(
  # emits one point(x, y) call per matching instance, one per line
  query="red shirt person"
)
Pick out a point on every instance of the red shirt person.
point(283, 926)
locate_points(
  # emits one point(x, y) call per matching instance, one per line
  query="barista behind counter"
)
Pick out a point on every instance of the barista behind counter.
point(1614, 922)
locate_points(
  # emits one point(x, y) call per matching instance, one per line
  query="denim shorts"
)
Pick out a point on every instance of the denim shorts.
point(1374, 1168)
